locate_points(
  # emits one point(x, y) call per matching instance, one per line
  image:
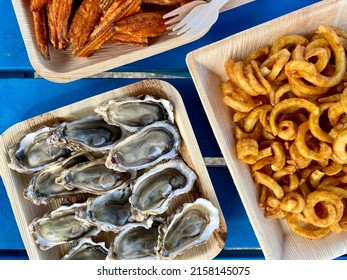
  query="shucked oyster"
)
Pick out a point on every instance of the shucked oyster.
point(60, 226)
point(145, 148)
point(134, 243)
point(93, 177)
point(153, 191)
point(86, 249)
point(88, 134)
point(191, 227)
point(43, 186)
point(135, 113)
point(32, 153)
point(110, 212)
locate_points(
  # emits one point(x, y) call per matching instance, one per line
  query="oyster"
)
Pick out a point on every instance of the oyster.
point(191, 227)
point(86, 249)
point(93, 177)
point(110, 212)
point(88, 134)
point(43, 186)
point(134, 243)
point(153, 191)
point(32, 153)
point(135, 113)
point(145, 148)
point(60, 226)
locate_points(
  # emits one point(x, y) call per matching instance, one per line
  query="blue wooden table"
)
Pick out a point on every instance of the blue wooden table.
point(24, 96)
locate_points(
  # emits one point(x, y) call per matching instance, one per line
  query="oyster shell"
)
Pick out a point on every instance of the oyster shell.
point(86, 249)
point(60, 226)
point(88, 134)
point(134, 243)
point(153, 191)
point(93, 177)
point(145, 148)
point(110, 212)
point(43, 187)
point(191, 227)
point(32, 153)
point(134, 113)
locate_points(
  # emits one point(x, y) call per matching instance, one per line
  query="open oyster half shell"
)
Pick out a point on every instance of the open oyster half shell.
point(192, 226)
point(147, 147)
point(33, 153)
point(133, 113)
point(88, 134)
point(110, 212)
point(60, 226)
point(93, 177)
point(153, 191)
point(87, 249)
point(43, 187)
point(134, 243)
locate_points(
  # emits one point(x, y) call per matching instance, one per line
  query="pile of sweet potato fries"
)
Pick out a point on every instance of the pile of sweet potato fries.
point(86, 25)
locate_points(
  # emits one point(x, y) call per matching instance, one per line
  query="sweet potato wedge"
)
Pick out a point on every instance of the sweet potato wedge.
point(41, 31)
point(83, 23)
point(103, 32)
point(146, 24)
point(62, 11)
point(37, 4)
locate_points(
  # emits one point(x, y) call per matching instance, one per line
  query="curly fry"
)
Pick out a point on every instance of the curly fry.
point(315, 233)
point(266, 180)
point(333, 206)
point(286, 41)
point(292, 103)
point(339, 146)
point(308, 70)
point(247, 150)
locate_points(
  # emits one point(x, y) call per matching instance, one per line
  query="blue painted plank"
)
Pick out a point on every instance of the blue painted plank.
point(13, 56)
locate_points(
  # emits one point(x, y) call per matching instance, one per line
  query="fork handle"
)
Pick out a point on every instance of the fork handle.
point(217, 4)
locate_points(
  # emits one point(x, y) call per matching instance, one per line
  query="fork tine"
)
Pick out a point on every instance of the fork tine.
point(184, 29)
point(173, 20)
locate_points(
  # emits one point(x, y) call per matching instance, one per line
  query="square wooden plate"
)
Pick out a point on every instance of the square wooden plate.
point(64, 67)
point(206, 66)
point(25, 211)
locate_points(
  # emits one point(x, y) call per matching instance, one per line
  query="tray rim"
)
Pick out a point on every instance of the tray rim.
point(130, 89)
point(195, 62)
point(165, 43)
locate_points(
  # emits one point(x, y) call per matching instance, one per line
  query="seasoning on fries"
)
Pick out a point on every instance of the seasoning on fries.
point(88, 25)
point(289, 107)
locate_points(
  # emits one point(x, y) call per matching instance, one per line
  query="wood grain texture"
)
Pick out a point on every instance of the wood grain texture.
point(65, 67)
point(206, 66)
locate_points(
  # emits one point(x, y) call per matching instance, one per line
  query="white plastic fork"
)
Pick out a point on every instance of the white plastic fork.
point(180, 13)
point(199, 19)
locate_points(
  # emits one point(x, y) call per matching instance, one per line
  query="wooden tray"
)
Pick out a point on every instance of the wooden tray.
point(25, 211)
point(206, 66)
point(64, 67)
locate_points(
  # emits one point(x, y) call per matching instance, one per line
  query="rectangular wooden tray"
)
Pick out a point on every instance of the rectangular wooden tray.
point(15, 183)
point(64, 67)
point(206, 66)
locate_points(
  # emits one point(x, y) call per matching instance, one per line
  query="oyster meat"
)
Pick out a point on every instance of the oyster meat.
point(134, 113)
point(93, 177)
point(86, 249)
point(32, 153)
point(110, 212)
point(191, 227)
point(60, 226)
point(147, 147)
point(88, 134)
point(134, 243)
point(43, 187)
point(153, 191)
